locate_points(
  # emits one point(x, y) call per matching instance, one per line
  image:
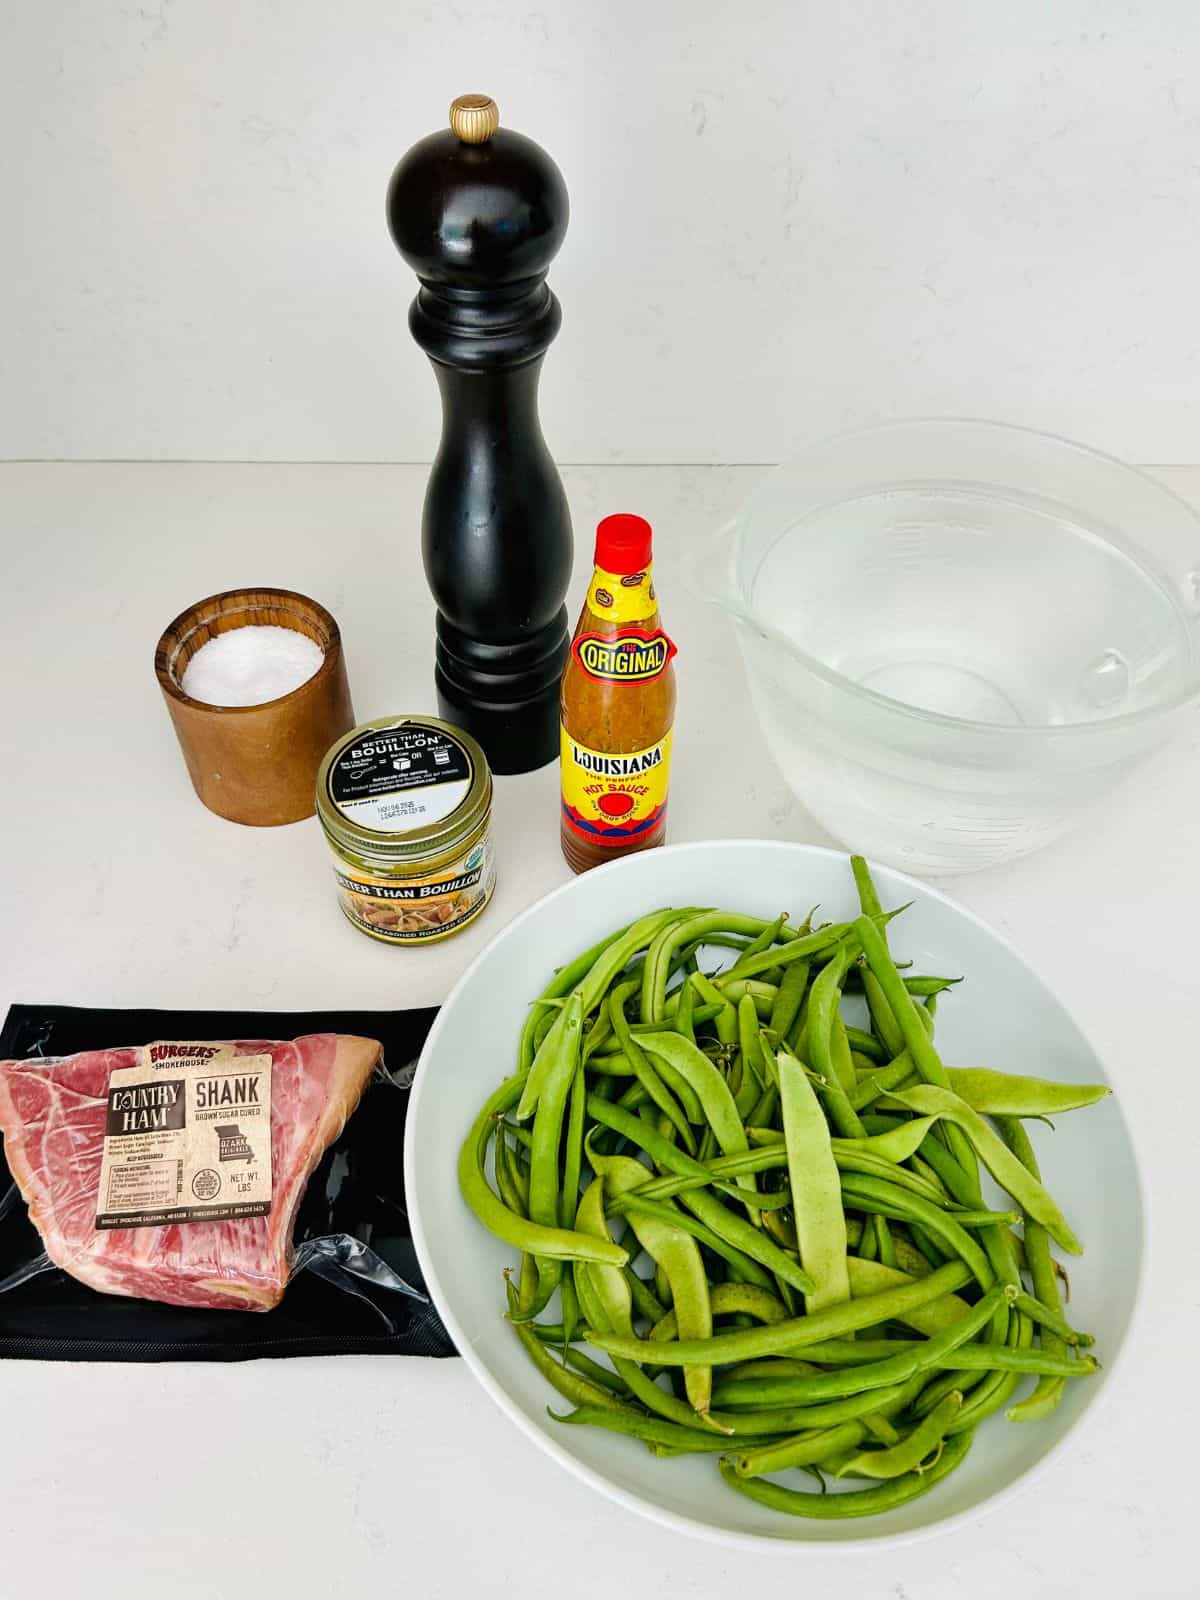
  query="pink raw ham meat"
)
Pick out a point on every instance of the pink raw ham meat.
point(52, 1115)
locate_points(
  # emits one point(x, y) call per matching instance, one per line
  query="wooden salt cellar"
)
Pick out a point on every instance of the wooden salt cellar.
point(256, 764)
point(479, 212)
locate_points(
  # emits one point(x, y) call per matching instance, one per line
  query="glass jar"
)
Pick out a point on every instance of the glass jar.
point(405, 804)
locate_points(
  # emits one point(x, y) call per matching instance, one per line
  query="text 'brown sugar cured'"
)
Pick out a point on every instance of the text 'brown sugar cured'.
point(618, 705)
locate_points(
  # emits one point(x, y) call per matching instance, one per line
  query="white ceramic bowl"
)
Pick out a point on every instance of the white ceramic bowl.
point(1002, 1016)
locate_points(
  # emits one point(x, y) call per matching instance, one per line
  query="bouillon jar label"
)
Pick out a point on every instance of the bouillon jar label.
point(614, 800)
point(423, 906)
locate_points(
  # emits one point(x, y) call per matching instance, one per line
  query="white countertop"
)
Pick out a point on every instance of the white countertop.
point(373, 1477)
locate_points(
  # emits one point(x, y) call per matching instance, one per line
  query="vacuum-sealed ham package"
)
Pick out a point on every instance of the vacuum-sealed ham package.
point(208, 1185)
point(172, 1171)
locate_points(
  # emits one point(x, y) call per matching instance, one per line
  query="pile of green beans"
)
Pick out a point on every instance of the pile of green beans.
point(738, 1172)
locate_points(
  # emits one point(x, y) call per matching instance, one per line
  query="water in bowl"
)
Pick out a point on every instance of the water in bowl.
point(1000, 609)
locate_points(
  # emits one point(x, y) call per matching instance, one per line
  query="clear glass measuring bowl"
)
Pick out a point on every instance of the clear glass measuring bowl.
point(959, 633)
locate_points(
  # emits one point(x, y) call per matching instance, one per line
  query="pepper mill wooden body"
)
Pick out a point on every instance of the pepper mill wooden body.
point(479, 212)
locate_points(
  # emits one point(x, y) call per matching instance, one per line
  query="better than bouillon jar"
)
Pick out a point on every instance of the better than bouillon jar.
point(406, 806)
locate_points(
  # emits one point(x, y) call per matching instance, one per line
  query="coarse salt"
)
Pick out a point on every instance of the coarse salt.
point(251, 665)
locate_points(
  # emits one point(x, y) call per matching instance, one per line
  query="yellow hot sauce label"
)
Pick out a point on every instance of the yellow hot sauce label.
point(622, 596)
point(614, 800)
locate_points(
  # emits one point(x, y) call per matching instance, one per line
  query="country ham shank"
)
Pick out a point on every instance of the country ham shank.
point(52, 1115)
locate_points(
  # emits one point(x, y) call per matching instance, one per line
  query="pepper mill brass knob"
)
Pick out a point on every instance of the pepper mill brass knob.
point(474, 118)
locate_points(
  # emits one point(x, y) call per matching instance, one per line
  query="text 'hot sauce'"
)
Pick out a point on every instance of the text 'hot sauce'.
point(618, 705)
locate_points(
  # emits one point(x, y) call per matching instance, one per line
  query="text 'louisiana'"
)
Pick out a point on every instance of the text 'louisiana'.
point(617, 766)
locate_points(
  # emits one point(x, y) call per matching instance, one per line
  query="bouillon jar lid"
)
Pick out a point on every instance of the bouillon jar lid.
point(403, 787)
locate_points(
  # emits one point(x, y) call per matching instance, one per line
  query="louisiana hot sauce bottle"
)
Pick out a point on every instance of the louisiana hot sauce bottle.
point(618, 705)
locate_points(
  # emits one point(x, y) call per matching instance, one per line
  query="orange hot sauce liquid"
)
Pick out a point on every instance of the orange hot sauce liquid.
point(608, 811)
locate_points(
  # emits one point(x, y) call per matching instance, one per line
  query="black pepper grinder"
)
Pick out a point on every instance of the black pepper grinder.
point(479, 212)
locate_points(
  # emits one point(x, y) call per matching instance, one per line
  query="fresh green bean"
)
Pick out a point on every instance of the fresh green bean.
point(645, 1073)
point(574, 1357)
point(565, 1244)
point(870, 1088)
point(590, 987)
point(670, 938)
point(770, 1367)
point(605, 1289)
point(785, 1337)
point(868, 895)
point(871, 1277)
point(747, 1238)
point(914, 1027)
point(563, 981)
point(573, 1151)
point(868, 1242)
point(866, 1044)
point(768, 938)
point(918, 1356)
point(765, 1107)
point(759, 1392)
point(882, 1019)
point(547, 1204)
point(801, 948)
point(728, 1298)
point(634, 1206)
point(802, 1450)
point(749, 1066)
point(637, 1425)
point(911, 1452)
point(788, 998)
point(857, 1503)
point(710, 1088)
point(873, 1194)
point(822, 1017)
point(646, 1302)
point(995, 1391)
point(685, 1013)
point(514, 1191)
point(1051, 1321)
point(725, 1021)
point(580, 1391)
point(1049, 1390)
point(840, 1057)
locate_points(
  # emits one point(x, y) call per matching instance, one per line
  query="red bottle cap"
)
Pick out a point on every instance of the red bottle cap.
point(623, 543)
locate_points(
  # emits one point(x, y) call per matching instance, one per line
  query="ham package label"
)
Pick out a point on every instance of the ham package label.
point(187, 1138)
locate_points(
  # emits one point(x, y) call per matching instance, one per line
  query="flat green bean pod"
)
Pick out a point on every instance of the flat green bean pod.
point(679, 1257)
point(1031, 1195)
point(1006, 1094)
point(815, 1186)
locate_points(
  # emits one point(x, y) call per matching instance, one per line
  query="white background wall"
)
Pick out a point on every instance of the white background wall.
point(787, 217)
